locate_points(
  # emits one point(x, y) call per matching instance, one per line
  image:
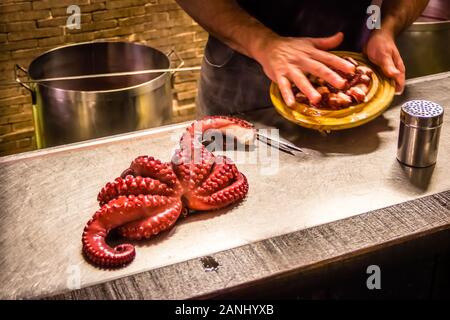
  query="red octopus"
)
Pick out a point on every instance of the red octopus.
point(150, 195)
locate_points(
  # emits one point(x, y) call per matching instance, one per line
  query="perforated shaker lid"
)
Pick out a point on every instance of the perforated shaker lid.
point(422, 114)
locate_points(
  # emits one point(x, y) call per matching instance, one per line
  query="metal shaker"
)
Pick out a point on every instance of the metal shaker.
point(420, 128)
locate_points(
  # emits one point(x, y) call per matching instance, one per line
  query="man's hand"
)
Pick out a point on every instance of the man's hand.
point(382, 51)
point(286, 60)
point(396, 16)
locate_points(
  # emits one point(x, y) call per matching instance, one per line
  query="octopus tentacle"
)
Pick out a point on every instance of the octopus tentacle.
point(192, 173)
point(153, 168)
point(114, 214)
point(222, 198)
point(132, 186)
point(156, 223)
point(242, 130)
point(193, 162)
point(104, 220)
point(217, 122)
point(222, 175)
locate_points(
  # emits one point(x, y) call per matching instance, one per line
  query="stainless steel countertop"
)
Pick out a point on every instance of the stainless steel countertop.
point(48, 195)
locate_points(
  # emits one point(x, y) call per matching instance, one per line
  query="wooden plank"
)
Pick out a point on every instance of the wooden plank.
point(297, 252)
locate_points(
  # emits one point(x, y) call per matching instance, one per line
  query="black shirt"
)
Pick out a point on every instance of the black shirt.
point(313, 18)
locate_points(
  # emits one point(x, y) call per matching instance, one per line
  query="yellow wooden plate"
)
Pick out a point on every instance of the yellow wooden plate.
point(379, 98)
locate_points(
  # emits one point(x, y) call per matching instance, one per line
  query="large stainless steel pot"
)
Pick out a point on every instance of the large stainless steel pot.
point(425, 48)
point(76, 110)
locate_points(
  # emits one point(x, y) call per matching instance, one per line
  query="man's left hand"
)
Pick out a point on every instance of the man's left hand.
point(382, 50)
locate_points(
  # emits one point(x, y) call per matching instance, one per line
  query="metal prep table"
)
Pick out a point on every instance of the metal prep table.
point(329, 201)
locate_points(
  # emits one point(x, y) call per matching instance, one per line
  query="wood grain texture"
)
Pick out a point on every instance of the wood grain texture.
point(296, 252)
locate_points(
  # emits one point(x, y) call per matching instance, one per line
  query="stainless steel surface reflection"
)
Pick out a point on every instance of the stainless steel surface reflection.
point(418, 177)
point(48, 196)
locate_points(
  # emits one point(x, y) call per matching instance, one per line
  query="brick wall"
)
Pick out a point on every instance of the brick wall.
point(29, 28)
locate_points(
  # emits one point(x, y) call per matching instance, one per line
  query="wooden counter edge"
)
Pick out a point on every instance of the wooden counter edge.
point(293, 252)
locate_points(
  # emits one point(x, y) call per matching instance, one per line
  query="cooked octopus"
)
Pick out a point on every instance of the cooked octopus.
point(354, 92)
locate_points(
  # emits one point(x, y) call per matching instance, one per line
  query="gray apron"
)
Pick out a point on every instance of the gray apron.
point(232, 83)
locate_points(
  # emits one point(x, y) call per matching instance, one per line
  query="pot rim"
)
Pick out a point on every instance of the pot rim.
point(429, 26)
point(158, 79)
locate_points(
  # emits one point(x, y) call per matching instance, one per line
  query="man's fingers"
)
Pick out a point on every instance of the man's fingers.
point(322, 71)
point(399, 61)
point(400, 80)
point(400, 83)
point(329, 42)
point(302, 82)
point(389, 69)
point(334, 61)
point(286, 90)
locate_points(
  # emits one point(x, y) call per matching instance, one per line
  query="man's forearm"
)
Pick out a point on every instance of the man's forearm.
point(397, 15)
point(228, 22)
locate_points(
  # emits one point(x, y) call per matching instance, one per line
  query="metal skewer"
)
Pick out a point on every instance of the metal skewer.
point(104, 75)
point(286, 146)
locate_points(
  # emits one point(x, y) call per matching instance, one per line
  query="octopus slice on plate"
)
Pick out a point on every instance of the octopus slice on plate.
point(355, 92)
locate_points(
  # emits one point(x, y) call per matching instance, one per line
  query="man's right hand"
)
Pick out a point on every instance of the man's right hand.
point(286, 60)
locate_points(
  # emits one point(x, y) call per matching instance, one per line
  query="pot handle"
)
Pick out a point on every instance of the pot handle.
point(177, 56)
point(18, 69)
